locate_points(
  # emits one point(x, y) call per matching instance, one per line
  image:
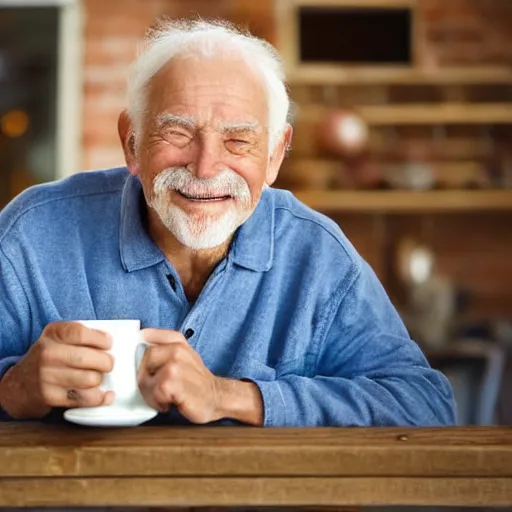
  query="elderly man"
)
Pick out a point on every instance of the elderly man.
point(258, 310)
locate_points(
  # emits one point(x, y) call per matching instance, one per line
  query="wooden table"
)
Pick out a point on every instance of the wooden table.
point(43, 465)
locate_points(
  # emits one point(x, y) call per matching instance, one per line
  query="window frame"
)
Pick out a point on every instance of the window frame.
point(69, 94)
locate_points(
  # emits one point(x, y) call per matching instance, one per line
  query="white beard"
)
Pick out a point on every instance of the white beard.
point(201, 231)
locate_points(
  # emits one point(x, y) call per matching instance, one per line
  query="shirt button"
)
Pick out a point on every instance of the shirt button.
point(172, 281)
point(189, 333)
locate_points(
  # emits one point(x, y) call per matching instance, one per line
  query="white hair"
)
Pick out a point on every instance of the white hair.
point(207, 40)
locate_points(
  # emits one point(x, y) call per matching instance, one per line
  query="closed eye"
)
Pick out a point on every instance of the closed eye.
point(179, 134)
point(238, 146)
point(178, 138)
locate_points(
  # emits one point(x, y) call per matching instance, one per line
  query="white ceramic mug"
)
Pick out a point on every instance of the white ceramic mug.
point(127, 349)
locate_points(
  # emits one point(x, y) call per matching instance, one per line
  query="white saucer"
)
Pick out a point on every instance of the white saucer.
point(110, 416)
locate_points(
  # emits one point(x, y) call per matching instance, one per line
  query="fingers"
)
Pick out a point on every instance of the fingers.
point(74, 333)
point(173, 356)
point(174, 373)
point(166, 347)
point(167, 392)
point(56, 396)
point(161, 372)
point(161, 404)
point(158, 391)
point(84, 358)
point(154, 358)
point(162, 336)
point(70, 360)
point(69, 378)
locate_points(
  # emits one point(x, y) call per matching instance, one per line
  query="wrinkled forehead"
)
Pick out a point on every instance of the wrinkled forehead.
point(194, 91)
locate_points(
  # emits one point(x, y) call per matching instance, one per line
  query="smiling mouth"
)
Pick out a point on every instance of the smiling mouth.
point(204, 198)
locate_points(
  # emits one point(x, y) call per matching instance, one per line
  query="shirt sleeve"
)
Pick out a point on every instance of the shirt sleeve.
point(368, 372)
point(14, 319)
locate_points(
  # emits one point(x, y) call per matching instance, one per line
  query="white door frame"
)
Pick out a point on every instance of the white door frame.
point(69, 94)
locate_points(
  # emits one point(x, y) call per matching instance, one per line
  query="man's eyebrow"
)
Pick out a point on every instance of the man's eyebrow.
point(246, 126)
point(187, 122)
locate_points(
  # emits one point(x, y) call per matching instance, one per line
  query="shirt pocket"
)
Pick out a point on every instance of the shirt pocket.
point(252, 369)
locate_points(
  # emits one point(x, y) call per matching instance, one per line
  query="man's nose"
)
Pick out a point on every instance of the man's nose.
point(206, 162)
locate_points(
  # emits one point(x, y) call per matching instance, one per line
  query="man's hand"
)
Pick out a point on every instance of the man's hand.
point(172, 373)
point(62, 369)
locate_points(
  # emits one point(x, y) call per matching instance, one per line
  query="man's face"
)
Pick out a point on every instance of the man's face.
point(203, 150)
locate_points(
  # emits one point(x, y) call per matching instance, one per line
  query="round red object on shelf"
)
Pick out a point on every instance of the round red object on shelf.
point(343, 132)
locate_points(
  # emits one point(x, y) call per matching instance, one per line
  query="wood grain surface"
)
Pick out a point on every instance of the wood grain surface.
point(42, 465)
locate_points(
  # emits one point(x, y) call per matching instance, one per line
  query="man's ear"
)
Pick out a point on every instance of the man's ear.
point(277, 156)
point(127, 136)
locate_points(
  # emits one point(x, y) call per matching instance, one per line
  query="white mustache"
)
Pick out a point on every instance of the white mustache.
point(226, 183)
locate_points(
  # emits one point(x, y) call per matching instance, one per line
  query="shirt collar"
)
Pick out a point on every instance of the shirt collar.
point(137, 248)
point(253, 246)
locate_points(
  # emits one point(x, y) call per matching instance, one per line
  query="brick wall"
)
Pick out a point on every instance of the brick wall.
point(467, 31)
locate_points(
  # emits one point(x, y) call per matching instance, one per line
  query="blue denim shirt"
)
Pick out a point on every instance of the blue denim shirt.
point(292, 307)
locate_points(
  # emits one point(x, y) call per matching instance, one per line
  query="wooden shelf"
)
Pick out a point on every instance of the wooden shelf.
point(451, 148)
point(440, 168)
point(306, 144)
point(400, 201)
point(366, 4)
point(333, 74)
point(423, 114)
point(323, 174)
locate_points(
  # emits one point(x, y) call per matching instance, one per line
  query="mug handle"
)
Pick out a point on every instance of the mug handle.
point(139, 353)
point(140, 350)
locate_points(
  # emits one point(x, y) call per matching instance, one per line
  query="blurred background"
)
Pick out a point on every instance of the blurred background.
point(403, 131)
